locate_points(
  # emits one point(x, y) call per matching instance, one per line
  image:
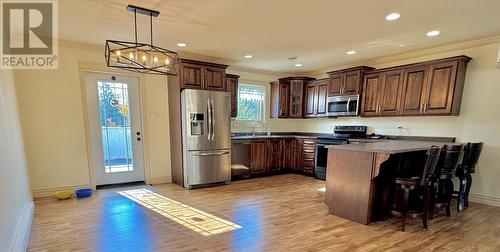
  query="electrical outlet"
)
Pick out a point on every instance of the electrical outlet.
point(403, 129)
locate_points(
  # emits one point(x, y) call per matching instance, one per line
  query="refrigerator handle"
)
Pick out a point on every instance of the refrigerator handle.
point(209, 116)
point(213, 118)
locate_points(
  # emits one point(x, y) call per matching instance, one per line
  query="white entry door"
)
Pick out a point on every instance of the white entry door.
point(115, 122)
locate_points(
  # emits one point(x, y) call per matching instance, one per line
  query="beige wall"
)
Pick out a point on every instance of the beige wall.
point(479, 119)
point(51, 108)
point(16, 205)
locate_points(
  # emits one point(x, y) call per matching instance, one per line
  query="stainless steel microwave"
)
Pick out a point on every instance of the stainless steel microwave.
point(343, 105)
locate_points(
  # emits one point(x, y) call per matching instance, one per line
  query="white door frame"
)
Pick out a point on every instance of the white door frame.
point(92, 149)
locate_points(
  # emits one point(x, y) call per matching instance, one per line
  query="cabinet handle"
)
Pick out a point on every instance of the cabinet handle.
point(421, 107)
point(425, 107)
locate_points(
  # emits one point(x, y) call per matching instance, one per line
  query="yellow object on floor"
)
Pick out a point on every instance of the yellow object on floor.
point(63, 195)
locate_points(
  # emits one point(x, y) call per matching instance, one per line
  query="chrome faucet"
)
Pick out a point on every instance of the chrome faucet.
point(253, 126)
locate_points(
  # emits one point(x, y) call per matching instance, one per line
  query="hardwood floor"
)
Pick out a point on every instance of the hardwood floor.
point(276, 213)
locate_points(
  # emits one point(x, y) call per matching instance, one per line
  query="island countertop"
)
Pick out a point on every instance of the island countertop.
point(388, 146)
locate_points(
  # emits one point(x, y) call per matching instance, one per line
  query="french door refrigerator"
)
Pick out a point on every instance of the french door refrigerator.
point(206, 137)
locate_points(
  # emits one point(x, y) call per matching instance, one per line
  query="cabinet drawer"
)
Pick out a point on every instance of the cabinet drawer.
point(308, 156)
point(309, 142)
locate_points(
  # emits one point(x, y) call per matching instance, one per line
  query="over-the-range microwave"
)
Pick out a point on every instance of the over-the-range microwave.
point(343, 105)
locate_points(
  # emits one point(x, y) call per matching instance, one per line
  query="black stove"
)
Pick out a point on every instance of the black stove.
point(341, 135)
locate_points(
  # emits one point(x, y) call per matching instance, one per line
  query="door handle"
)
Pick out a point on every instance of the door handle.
point(213, 118)
point(209, 115)
point(212, 153)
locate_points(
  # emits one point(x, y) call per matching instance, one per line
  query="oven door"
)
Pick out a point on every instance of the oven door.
point(343, 105)
point(322, 156)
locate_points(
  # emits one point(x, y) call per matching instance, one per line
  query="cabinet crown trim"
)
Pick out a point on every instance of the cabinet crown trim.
point(365, 68)
point(296, 78)
point(189, 61)
point(463, 58)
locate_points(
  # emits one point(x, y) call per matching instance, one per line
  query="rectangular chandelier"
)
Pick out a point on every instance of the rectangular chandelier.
point(141, 57)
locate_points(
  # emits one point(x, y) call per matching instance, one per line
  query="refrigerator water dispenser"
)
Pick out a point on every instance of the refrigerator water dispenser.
point(197, 122)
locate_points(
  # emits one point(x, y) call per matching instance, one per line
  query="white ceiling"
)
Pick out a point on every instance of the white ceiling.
point(319, 32)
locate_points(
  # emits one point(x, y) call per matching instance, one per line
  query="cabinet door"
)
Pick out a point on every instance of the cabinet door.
point(440, 87)
point(258, 156)
point(288, 153)
point(321, 90)
point(311, 98)
point(232, 87)
point(412, 97)
point(298, 154)
point(335, 85)
point(191, 76)
point(296, 98)
point(284, 102)
point(274, 154)
point(215, 79)
point(351, 83)
point(372, 87)
point(391, 90)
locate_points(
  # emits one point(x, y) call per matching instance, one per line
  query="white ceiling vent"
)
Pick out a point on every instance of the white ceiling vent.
point(498, 58)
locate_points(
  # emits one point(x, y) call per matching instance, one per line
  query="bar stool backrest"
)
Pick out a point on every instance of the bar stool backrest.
point(472, 151)
point(448, 160)
point(431, 161)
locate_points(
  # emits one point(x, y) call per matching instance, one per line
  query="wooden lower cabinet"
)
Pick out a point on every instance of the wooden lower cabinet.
point(258, 154)
point(282, 154)
point(274, 154)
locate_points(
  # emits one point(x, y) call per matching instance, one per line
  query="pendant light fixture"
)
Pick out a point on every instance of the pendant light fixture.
point(141, 57)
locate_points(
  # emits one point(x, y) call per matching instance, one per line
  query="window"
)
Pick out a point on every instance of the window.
point(251, 103)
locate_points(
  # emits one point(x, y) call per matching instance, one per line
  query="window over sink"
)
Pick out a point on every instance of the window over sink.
point(251, 102)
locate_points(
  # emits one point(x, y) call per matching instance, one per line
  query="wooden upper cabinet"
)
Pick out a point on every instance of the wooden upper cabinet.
point(316, 93)
point(310, 106)
point(215, 78)
point(284, 100)
point(191, 76)
point(426, 88)
point(322, 93)
point(412, 97)
point(232, 87)
point(202, 75)
point(287, 97)
point(372, 87)
point(347, 81)
point(296, 98)
point(335, 86)
point(440, 88)
point(389, 100)
point(352, 83)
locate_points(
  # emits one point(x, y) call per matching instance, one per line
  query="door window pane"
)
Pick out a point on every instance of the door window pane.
point(114, 117)
point(250, 103)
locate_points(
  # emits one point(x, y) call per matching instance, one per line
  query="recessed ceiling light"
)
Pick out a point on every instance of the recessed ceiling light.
point(181, 44)
point(351, 52)
point(393, 16)
point(248, 56)
point(402, 45)
point(297, 65)
point(433, 33)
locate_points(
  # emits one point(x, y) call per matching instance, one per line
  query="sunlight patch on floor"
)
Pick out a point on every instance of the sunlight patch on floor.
point(190, 217)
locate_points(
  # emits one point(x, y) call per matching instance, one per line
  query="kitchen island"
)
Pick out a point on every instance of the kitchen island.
point(359, 176)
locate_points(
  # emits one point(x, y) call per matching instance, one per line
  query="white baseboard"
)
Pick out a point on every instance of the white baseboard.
point(484, 199)
point(160, 180)
point(38, 193)
point(22, 235)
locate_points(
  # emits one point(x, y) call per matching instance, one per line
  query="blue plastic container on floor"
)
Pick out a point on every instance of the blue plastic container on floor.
point(83, 193)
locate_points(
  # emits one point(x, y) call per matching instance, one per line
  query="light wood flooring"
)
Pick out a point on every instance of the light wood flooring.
point(277, 213)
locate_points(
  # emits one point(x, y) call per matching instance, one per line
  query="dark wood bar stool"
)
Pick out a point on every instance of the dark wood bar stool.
point(418, 187)
point(443, 189)
point(472, 151)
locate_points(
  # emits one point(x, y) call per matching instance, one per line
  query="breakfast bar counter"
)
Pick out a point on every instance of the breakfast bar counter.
point(359, 176)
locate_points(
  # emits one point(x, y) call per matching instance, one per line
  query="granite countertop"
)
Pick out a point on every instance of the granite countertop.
point(250, 137)
point(388, 146)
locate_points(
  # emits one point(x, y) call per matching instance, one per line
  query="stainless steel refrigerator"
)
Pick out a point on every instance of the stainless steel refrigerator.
point(206, 137)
